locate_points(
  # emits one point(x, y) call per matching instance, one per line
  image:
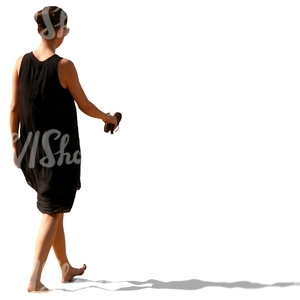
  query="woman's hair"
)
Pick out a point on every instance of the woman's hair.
point(49, 20)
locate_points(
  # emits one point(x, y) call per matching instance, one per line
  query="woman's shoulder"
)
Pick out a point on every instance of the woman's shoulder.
point(66, 71)
point(66, 66)
point(19, 60)
point(18, 63)
point(65, 61)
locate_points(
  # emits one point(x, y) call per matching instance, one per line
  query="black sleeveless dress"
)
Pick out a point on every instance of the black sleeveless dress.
point(48, 146)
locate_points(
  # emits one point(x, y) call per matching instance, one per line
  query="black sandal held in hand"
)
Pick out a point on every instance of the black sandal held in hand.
point(110, 127)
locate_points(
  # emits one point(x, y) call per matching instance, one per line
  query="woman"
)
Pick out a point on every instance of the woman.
point(45, 138)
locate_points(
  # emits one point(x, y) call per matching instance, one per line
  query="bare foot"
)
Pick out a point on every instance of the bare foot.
point(71, 272)
point(36, 287)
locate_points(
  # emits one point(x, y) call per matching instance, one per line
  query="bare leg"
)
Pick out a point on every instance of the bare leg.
point(44, 242)
point(59, 247)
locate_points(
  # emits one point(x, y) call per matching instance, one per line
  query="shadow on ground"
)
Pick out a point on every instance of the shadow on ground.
point(192, 284)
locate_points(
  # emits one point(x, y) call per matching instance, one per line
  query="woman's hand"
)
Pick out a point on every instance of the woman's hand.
point(111, 120)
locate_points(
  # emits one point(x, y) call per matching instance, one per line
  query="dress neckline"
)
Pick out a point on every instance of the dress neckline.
point(42, 61)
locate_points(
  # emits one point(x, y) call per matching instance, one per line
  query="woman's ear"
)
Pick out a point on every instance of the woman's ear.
point(60, 32)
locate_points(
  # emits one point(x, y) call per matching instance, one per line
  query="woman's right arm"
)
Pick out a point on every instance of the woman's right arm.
point(14, 118)
point(69, 79)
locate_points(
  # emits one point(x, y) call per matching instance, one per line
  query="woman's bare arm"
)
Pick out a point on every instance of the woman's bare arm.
point(14, 106)
point(69, 78)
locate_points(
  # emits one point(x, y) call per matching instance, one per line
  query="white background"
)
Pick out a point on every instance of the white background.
point(202, 179)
